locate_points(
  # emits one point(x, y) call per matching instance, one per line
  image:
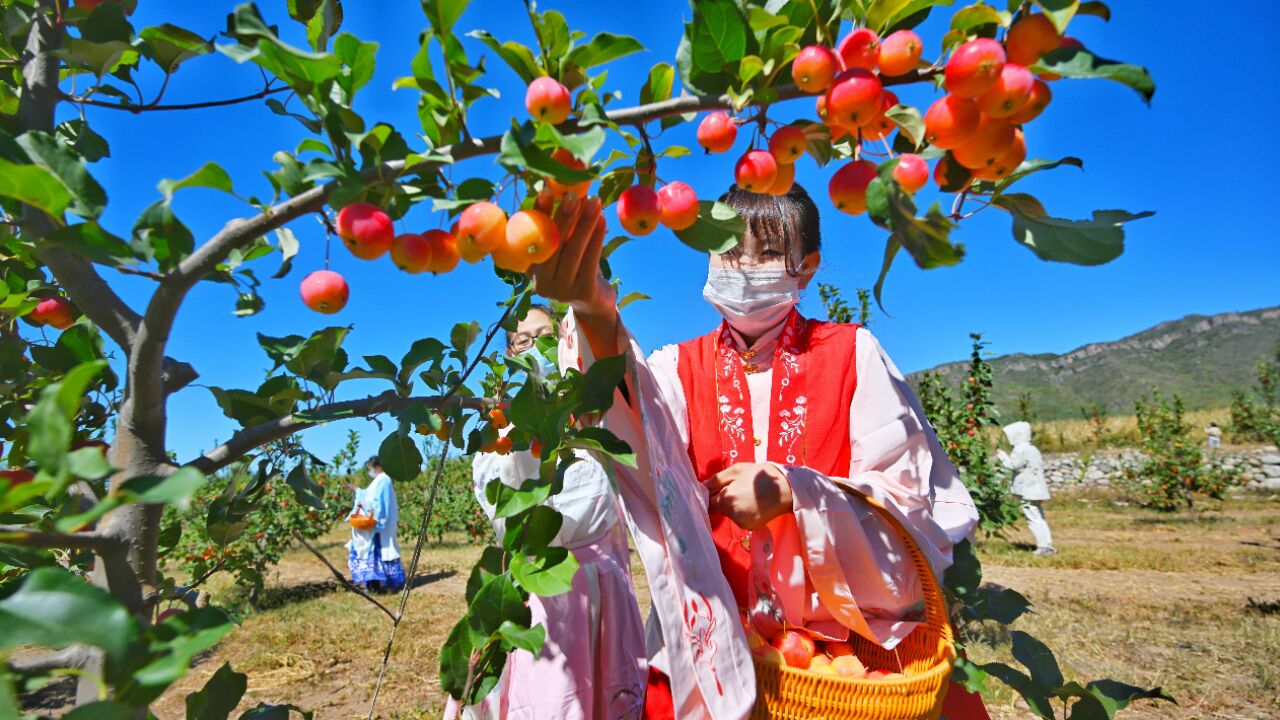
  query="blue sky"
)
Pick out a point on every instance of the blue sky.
point(1186, 158)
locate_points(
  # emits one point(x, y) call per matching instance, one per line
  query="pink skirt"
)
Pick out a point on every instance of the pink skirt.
point(593, 661)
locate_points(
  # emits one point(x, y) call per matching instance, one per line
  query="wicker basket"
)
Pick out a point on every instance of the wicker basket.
point(925, 657)
point(362, 522)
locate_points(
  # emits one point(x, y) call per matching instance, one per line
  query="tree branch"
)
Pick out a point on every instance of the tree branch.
point(75, 656)
point(343, 578)
point(19, 535)
point(136, 109)
point(259, 435)
point(163, 308)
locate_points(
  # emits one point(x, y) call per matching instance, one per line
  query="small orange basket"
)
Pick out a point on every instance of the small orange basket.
point(924, 659)
point(362, 522)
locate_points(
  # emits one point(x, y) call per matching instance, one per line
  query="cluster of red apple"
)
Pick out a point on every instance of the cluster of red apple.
point(990, 95)
point(797, 649)
point(526, 238)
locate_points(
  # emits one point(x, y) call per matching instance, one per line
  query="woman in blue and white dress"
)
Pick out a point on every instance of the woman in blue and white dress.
point(374, 553)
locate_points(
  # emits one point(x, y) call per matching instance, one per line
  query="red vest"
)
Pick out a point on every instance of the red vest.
point(830, 376)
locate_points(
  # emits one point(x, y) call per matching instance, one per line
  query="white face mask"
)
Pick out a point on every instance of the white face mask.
point(752, 301)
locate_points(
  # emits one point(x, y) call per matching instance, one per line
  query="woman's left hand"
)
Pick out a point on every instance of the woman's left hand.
point(749, 494)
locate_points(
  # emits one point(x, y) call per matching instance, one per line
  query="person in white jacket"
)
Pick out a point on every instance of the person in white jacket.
point(374, 553)
point(1029, 483)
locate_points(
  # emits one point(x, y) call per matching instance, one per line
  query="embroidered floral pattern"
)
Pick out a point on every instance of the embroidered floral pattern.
point(789, 402)
point(699, 629)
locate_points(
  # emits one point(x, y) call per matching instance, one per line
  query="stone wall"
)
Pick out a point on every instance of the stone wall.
point(1066, 471)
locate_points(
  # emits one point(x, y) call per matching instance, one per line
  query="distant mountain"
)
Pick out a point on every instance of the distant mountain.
point(1201, 358)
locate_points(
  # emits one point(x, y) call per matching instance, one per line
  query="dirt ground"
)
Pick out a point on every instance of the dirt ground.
point(1135, 596)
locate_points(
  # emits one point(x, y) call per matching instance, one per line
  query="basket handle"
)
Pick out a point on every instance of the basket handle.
point(935, 605)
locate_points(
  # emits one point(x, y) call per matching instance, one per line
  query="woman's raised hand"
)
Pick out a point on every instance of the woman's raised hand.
point(572, 275)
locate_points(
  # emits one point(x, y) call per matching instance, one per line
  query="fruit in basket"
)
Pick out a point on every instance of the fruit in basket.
point(755, 639)
point(769, 653)
point(884, 675)
point(837, 649)
point(849, 666)
point(797, 648)
point(824, 670)
point(818, 661)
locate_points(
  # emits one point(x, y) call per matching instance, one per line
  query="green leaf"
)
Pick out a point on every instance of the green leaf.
point(632, 297)
point(910, 122)
point(1114, 696)
point(1059, 11)
point(89, 463)
point(519, 151)
point(170, 46)
point(159, 235)
point(1027, 168)
point(35, 186)
point(455, 659)
point(1096, 9)
point(210, 175)
point(420, 352)
point(400, 457)
point(977, 15)
point(181, 637)
point(359, 57)
point(601, 440)
point(50, 421)
point(92, 242)
point(89, 199)
point(518, 57)
point(264, 711)
point(1082, 242)
point(719, 35)
point(76, 132)
point(547, 574)
point(531, 530)
point(880, 12)
point(462, 336)
point(926, 239)
point(305, 490)
point(53, 608)
point(719, 229)
point(1038, 658)
point(99, 58)
point(604, 48)
point(530, 639)
point(891, 248)
point(443, 14)
point(658, 86)
point(301, 70)
point(600, 383)
point(219, 696)
point(177, 489)
point(498, 601)
point(1079, 63)
point(509, 501)
point(1036, 697)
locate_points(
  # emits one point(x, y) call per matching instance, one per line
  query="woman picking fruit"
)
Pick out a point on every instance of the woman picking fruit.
point(373, 552)
point(592, 664)
point(749, 440)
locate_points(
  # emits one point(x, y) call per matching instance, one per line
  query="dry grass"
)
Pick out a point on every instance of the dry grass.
point(1115, 431)
point(1146, 599)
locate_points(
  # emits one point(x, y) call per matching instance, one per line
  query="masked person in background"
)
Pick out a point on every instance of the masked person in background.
point(750, 441)
point(373, 552)
point(1029, 484)
point(592, 664)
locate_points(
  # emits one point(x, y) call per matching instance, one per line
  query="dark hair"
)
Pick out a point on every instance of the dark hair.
point(542, 309)
point(373, 461)
point(790, 219)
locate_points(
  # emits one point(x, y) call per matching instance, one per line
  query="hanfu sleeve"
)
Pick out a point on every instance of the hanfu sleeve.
point(857, 565)
point(383, 500)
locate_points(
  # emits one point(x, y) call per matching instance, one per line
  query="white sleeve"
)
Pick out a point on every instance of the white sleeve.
point(665, 364)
